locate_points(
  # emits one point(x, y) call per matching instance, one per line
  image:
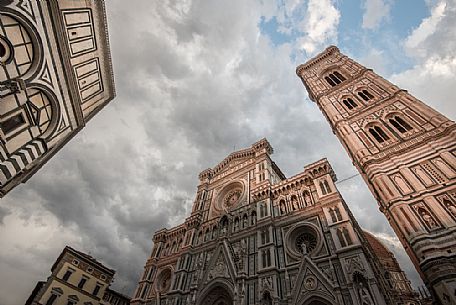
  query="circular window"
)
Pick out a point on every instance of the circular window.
point(229, 197)
point(302, 240)
point(164, 281)
point(306, 242)
point(16, 43)
point(232, 198)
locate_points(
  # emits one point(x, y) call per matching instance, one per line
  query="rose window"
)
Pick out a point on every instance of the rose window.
point(303, 239)
point(232, 198)
point(164, 281)
point(308, 239)
point(229, 197)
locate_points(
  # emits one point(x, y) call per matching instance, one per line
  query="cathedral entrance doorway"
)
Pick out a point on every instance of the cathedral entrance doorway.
point(217, 296)
point(317, 301)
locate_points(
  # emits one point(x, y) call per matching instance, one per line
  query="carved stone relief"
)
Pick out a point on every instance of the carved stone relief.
point(426, 216)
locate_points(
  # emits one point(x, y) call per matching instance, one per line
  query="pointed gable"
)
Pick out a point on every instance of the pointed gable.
point(221, 265)
point(312, 282)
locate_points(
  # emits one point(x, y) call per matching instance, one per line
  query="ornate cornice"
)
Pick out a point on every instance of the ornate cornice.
point(315, 60)
point(240, 154)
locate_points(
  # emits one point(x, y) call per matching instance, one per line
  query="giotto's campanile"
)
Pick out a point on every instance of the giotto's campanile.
point(406, 153)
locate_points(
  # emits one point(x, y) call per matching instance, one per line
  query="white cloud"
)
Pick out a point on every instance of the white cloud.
point(375, 11)
point(432, 44)
point(319, 25)
point(428, 26)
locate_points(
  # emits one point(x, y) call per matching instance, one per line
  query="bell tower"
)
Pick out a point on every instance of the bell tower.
point(406, 153)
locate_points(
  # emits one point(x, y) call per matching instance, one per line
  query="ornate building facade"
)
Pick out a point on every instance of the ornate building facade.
point(406, 153)
point(77, 278)
point(256, 237)
point(55, 75)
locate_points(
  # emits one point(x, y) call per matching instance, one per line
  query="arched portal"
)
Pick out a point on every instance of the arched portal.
point(218, 295)
point(317, 301)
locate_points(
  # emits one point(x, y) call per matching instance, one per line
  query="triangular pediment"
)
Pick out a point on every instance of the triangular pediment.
point(233, 162)
point(237, 160)
point(311, 281)
point(221, 265)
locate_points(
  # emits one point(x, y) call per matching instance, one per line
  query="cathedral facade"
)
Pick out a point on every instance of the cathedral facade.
point(257, 237)
point(406, 153)
point(55, 75)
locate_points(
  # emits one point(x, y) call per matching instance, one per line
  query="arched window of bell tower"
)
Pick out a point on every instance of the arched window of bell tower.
point(379, 135)
point(334, 78)
point(365, 95)
point(349, 103)
point(400, 124)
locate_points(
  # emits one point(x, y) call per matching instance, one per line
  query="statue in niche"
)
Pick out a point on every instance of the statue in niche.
point(242, 253)
point(427, 218)
point(450, 206)
point(282, 207)
point(266, 283)
point(307, 198)
point(199, 268)
point(304, 249)
point(294, 203)
point(364, 295)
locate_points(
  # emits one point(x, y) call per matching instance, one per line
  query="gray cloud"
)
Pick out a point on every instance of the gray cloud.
point(194, 80)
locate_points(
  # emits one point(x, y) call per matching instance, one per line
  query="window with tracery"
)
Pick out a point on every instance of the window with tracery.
point(379, 135)
point(263, 210)
point(335, 214)
point(365, 95)
point(236, 224)
point(344, 237)
point(324, 186)
point(264, 236)
point(306, 240)
point(338, 214)
point(349, 103)
point(399, 124)
point(214, 232)
point(334, 78)
point(245, 221)
point(266, 258)
point(253, 218)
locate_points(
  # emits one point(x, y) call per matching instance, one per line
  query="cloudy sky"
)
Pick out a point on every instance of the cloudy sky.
point(196, 80)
